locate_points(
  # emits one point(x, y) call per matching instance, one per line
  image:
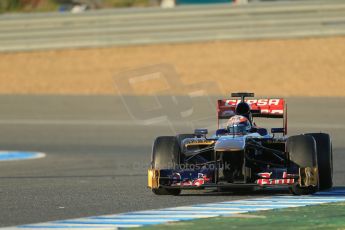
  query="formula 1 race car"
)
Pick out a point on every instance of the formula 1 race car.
point(241, 155)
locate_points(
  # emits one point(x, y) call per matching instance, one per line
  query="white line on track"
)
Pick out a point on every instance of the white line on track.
point(161, 216)
point(148, 216)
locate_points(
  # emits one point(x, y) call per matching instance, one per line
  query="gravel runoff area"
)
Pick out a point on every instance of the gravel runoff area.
point(301, 67)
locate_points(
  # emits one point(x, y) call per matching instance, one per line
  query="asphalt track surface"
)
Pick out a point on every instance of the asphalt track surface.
point(97, 153)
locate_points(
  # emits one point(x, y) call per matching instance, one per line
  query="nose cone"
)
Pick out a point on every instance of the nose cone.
point(230, 143)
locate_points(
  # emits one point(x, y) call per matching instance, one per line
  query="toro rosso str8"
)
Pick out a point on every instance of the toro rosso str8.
point(241, 154)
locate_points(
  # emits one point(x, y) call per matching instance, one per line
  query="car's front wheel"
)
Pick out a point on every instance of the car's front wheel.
point(165, 155)
point(325, 159)
point(302, 152)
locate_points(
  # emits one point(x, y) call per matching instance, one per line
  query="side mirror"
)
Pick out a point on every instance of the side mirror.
point(277, 130)
point(200, 132)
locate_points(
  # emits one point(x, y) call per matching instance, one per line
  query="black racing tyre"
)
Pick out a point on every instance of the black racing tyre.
point(302, 152)
point(165, 155)
point(297, 190)
point(324, 159)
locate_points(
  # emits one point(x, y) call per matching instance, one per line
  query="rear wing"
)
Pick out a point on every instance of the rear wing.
point(266, 107)
point(270, 108)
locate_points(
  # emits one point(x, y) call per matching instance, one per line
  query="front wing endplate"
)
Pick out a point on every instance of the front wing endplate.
point(153, 178)
point(308, 177)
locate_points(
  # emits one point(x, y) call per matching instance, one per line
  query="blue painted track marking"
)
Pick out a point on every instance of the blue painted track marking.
point(161, 216)
point(19, 155)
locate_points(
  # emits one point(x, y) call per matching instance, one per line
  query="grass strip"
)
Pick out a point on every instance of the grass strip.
point(325, 216)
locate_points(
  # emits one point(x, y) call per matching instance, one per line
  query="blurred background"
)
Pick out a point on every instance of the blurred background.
point(65, 5)
point(78, 46)
point(68, 5)
point(92, 83)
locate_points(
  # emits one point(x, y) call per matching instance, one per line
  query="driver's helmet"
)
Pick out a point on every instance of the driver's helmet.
point(238, 125)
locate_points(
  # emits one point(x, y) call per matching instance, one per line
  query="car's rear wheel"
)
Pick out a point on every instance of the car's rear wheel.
point(165, 155)
point(325, 159)
point(302, 152)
